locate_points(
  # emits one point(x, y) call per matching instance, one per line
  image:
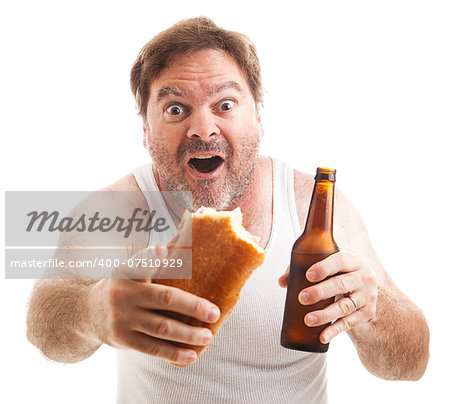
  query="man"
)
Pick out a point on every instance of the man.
point(198, 90)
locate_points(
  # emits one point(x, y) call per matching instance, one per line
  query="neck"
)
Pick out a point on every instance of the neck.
point(252, 200)
point(174, 208)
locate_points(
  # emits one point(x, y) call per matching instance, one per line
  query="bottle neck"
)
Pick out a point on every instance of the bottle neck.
point(321, 208)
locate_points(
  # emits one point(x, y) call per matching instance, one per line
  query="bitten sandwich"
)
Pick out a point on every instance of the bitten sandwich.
point(224, 255)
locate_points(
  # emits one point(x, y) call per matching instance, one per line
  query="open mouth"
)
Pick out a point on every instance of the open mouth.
point(205, 164)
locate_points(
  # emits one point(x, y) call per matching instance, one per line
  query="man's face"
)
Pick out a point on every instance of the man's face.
point(203, 131)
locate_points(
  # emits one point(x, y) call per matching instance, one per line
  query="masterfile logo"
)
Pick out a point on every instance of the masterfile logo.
point(96, 223)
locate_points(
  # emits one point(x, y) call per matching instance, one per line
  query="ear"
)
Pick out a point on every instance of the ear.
point(259, 121)
point(146, 130)
point(144, 138)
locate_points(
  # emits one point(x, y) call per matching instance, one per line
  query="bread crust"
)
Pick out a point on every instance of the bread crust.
point(223, 258)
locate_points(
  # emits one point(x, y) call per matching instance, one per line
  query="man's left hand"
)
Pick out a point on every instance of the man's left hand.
point(354, 288)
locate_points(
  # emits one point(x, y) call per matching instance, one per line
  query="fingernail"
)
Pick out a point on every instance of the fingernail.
point(304, 297)
point(192, 357)
point(206, 336)
point(326, 338)
point(312, 276)
point(312, 319)
point(213, 314)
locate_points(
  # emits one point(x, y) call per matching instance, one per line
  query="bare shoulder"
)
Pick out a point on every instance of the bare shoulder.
point(126, 183)
point(303, 186)
point(349, 230)
point(125, 194)
point(113, 204)
point(120, 198)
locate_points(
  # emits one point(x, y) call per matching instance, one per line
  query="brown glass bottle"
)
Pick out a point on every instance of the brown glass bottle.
point(315, 244)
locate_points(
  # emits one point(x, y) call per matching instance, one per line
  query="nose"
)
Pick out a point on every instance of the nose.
point(202, 125)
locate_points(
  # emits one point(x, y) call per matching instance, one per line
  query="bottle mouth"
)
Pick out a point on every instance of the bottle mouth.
point(323, 173)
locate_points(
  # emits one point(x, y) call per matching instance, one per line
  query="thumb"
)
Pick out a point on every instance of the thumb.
point(283, 279)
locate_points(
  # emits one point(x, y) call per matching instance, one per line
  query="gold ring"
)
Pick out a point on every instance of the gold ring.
point(354, 303)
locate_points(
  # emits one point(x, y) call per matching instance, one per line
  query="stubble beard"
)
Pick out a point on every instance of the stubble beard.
point(207, 192)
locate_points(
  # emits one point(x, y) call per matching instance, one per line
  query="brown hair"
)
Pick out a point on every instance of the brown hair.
point(188, 36)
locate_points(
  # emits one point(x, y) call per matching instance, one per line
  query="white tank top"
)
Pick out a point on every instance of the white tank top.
point(245, 363)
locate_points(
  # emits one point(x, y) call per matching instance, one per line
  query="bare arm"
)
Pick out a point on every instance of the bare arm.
point(69, 319)
point(388, 330)
point(58, 319)
point(394, 344)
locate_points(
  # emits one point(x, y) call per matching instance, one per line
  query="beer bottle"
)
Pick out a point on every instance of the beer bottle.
point(315, 244)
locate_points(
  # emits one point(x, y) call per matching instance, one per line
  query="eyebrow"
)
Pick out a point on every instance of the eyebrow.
point(226, 86)
point(166, 91)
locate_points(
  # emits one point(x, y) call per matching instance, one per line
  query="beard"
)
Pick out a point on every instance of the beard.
point(219, 192)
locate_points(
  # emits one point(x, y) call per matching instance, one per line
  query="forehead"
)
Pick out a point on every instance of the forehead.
point(200, 72)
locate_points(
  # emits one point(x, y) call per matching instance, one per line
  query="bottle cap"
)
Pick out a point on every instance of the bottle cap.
point(325, 174)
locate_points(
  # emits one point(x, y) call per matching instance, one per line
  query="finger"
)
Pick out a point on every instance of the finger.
point(341, 308)
point(337, 285)
point(161, 349)
point(335, 263)
point(162, 297)
point(343, 324)
point(283, 279)
point(165, 328)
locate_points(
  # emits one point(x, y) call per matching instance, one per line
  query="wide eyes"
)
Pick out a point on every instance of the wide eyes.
point(226, 105)
point(175, 109)
point(179, 110)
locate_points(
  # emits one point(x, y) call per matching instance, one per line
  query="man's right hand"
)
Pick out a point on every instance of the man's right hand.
point(122, 314)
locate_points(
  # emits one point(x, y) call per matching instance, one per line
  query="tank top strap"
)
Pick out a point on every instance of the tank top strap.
point(155, 201)
point(144, 178)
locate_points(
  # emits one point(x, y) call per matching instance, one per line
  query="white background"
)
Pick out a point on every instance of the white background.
point(361, 86)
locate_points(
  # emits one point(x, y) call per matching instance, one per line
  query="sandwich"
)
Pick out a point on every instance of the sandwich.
point(224, 255)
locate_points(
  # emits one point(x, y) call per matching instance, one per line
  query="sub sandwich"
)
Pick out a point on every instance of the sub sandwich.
point(224, 255)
